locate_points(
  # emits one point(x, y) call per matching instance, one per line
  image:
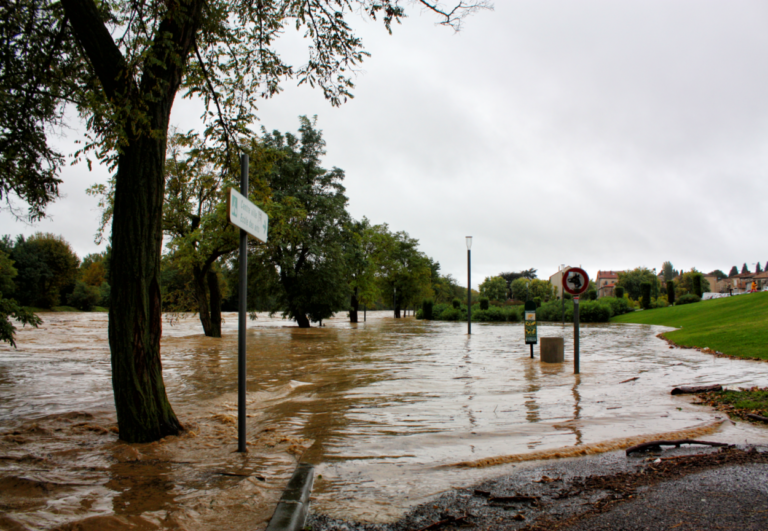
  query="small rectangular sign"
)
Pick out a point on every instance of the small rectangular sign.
point(244, 214)
point(531, 333)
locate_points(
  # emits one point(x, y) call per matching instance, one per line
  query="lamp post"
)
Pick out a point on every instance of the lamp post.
point(469, 284)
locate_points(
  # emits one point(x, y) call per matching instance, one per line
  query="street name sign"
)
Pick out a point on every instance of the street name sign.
point(244, 214)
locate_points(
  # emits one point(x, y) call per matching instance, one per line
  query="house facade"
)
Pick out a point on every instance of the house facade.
point(557, 280)
point(606, 283)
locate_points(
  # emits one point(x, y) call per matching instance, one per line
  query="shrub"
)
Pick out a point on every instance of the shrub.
point(426, 309)
point(618, 306)
point(484, 303)
point(688, 298)
point(537, 300)
point(697, 284)
point(619, 292)
point(496, 314)
point(592, 295)
point(645, 290)
point(84, 297)
point(456, 303)
point(553, 311)
point(594, 312)
point(451, 314)
point(671, 291)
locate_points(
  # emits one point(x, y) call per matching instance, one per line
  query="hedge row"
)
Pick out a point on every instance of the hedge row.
point(590, 311)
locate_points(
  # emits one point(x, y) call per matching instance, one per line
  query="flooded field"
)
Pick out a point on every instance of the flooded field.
point(386, 410)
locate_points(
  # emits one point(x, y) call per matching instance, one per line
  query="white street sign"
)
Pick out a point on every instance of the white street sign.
point(244, 214)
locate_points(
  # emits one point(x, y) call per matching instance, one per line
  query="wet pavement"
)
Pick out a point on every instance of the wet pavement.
point(385, 409)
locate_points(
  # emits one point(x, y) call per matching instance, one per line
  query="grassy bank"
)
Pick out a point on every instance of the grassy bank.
point(737, 326)
point(739, 404)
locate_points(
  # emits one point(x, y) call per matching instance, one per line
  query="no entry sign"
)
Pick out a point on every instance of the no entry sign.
point(575, 281)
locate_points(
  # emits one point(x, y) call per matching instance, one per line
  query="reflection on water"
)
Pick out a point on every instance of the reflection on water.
point(379, 407)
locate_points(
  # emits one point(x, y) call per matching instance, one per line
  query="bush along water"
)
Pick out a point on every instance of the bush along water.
point(597, 311)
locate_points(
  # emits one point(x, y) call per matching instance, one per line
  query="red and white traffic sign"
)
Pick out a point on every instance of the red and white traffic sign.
point(575, 281)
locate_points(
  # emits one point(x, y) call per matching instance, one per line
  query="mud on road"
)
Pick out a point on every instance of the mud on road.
point(685, 488)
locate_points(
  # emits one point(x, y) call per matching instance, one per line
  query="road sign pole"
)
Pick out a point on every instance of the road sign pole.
point(242, 314)
point(575, 281)
point(575, 335)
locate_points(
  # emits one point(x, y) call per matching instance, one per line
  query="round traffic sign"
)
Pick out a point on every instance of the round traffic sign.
point(575, 281)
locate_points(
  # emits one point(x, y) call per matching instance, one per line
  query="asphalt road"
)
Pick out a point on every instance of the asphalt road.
point(682, 489)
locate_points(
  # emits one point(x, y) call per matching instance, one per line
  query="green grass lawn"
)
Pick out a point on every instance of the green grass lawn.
point(737, 326)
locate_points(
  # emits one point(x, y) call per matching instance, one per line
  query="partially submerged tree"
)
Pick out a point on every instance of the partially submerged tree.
point(360, 255)
point(122, 64)
point(308, 217)
point(9, 308)
point(405, 273)
point(194, 217)
point(47, 265)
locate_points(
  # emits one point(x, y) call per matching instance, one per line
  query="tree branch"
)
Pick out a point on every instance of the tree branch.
point(108, 63)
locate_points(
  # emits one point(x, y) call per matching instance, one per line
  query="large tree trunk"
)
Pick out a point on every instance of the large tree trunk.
point(215, 299)
point(143, 109)
point(135, 322)
point(302, 320)
point(354, 306)
point(201, 296)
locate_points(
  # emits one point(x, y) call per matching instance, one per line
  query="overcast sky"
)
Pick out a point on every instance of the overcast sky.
point(604, 134)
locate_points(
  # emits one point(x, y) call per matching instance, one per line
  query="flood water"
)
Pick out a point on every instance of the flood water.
point(385, 410)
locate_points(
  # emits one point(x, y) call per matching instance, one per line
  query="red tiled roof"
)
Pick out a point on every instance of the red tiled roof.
point(607, 274)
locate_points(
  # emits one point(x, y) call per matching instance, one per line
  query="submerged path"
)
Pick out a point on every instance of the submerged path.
point(384, 409)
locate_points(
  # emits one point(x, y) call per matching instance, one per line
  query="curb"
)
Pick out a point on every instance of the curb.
point(291, 511)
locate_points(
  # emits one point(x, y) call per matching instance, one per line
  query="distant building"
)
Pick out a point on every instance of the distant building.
point(606, 283)
point(557, 280)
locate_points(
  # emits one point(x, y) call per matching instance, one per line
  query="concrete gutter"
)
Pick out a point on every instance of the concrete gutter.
point(291, 511)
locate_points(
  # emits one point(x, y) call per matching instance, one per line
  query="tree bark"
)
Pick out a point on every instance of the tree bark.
point(302, 321)
point(354, 306)
point(143, 107)
point(215, 299)
point(143, 411)
point(201, 296)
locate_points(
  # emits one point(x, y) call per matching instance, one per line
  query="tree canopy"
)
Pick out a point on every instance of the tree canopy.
point(668, 270)
point(495, 288)
point(632, 281)
point(122, 64)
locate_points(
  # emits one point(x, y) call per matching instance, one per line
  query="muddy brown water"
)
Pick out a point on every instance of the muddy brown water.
point(384, 409)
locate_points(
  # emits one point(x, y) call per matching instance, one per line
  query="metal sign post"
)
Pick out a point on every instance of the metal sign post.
point(251, 220)
point(576, 335)
point(575, 282)
point(531, 335)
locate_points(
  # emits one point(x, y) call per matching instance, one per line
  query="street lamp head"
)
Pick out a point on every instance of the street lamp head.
point(469, 243)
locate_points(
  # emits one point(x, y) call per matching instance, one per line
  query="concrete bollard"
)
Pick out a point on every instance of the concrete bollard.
point(552, 350)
